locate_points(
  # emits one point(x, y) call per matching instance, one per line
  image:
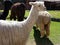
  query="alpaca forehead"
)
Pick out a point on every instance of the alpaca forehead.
point(17, 3)
point(39, 2)
point(36, 3)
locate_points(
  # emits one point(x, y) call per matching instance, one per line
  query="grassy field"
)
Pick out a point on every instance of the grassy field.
point(55, 13)
point(54, 28)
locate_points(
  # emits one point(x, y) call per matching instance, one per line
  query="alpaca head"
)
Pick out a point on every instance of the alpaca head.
point(39, 5)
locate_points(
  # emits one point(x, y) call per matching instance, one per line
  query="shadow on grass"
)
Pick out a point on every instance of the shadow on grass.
point(41, 41)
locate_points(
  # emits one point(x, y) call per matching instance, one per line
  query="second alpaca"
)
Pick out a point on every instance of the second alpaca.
point(43, 22)
point(17, 11)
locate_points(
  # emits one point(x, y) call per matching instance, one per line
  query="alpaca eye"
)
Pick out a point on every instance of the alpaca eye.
point(39, 5)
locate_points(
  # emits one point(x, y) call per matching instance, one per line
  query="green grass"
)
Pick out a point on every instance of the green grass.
point(55, 32)
point(54, 27)
point(55, 13)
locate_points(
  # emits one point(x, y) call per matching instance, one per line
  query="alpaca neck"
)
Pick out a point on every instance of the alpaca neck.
point(33, 15)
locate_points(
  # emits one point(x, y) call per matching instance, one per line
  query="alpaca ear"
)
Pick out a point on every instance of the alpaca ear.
point(32, 3)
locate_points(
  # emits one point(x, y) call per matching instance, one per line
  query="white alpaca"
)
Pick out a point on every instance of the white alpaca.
point(16, 33)
point(43, 22)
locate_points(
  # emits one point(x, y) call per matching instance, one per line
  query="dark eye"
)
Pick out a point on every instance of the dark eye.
point(39, 5)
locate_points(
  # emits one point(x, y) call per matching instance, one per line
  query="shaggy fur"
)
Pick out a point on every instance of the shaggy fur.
point(16, 33)
point(17, 11)
point(43, 22)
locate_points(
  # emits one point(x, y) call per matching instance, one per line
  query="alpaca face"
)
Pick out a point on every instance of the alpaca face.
point(39, 5)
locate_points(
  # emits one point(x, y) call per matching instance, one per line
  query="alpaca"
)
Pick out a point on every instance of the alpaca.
point(43, 22)
point(17, 33)
point(17, 10)
point(7, 5)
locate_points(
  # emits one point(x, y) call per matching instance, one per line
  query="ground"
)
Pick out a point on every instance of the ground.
point(37, 40)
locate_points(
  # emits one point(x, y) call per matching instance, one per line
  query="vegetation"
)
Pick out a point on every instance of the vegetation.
point(54, 28)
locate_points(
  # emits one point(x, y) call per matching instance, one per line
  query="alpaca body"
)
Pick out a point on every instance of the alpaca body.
point(17, 11)
point(16, 33)
point(10, 33)
point(44, 17)
point(43, 22)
